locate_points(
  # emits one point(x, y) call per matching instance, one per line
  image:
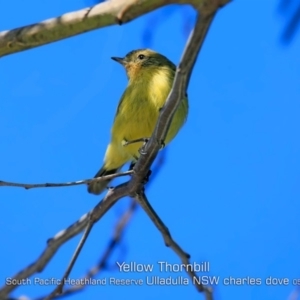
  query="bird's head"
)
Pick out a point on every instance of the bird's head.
point(144, 61)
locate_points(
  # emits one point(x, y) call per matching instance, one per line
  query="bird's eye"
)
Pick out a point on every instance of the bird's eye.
point(141, 56)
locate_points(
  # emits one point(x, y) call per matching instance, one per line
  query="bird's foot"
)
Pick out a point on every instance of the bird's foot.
point(141, 150)
point(162, 144)
point(145, 140)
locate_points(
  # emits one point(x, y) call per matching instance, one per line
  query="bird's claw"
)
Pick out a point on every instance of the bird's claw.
point(126, 143)
point(142, 150)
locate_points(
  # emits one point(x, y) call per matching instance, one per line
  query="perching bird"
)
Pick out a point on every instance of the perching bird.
point(150, 76)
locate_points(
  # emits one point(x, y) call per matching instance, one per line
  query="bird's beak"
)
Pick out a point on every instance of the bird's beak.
point(120, 60)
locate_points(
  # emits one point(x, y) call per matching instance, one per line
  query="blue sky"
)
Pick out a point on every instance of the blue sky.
point(229, 189)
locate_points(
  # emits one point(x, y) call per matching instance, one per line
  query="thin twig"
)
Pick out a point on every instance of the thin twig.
point(28, 186)
point(113, 243)
point(53, 244)
point(143, 201)
point(59, 288)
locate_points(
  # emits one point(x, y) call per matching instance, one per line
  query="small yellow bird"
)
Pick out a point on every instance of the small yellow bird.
point(150, 76)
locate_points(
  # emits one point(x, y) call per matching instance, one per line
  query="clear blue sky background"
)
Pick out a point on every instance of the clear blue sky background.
point(229, 190)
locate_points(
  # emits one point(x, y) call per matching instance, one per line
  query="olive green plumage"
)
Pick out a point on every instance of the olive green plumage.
point(150, 76)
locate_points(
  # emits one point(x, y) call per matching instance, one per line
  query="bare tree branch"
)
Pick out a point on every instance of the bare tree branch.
point(113, 243)
point(117, 235)
point(59, 288)
point(143, 201)
point(134, 187)
point(116, 239)
point(28, 186)
point(60, 238)
point(102, 263)
point(73, 23)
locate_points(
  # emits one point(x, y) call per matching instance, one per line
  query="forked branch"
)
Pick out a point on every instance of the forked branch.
point(134, 187)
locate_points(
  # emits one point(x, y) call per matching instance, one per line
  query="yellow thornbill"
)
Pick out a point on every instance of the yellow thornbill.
point(150, 76)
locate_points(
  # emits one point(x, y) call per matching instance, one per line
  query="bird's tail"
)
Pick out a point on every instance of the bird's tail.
point(97, 187)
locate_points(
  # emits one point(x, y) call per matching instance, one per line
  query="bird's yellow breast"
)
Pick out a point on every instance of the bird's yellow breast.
point(139, 108)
